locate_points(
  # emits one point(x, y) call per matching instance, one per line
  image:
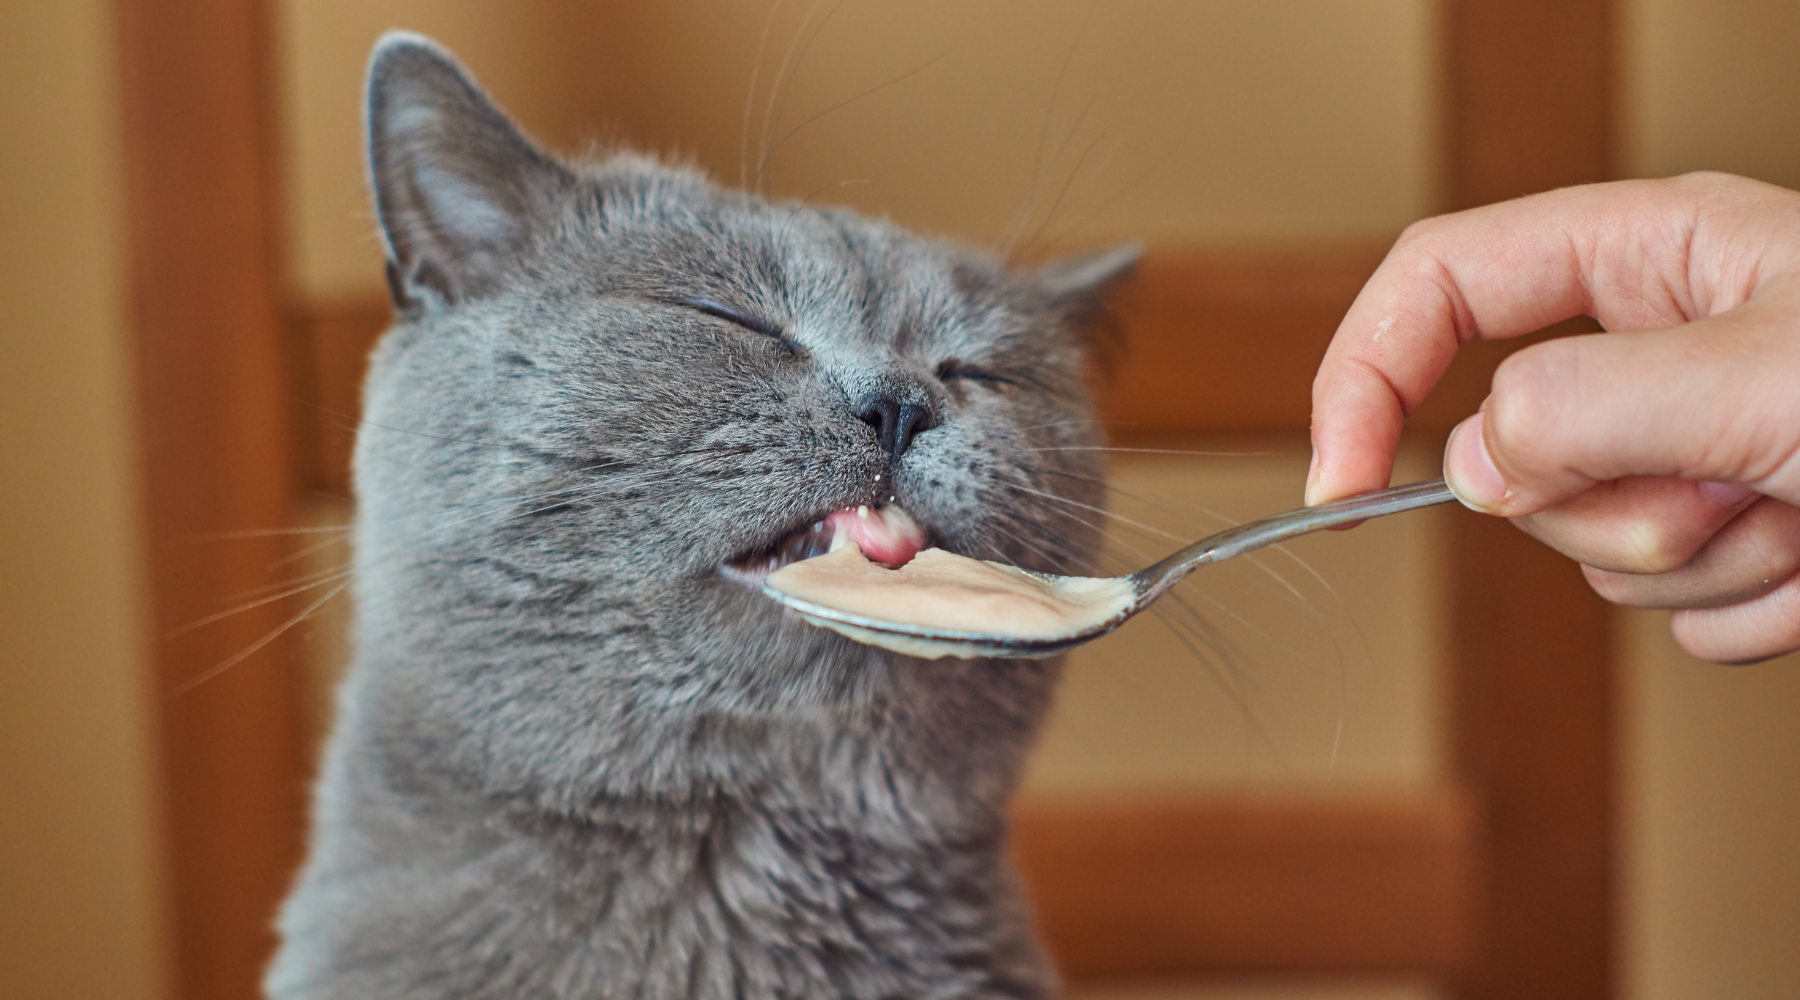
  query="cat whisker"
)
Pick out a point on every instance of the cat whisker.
point(790, 64)
point(1155, 163)
point(909, 74)
point(1098, 510)
point(1204, 632)
point(1060, 561)
point(762, 44)
point(1220, 656)
point(306, 551)
point(193, 682)
point(1029, 207)
point(1101, 530)
point(1067, 185)
point(1099, 481)
point(1255, 559)
point(269, 588)
point(500, 504)
point(226, 536)
point(288, 589)
point(357, 423)
point(1062, 423)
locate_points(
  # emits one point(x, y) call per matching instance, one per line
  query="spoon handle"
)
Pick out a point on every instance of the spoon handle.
point(1153, 581)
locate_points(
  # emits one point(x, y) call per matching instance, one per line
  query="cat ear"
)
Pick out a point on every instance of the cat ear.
point(455, 183)
point(1088, 276)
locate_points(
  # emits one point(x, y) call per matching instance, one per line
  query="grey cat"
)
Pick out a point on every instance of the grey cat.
point(578, 754)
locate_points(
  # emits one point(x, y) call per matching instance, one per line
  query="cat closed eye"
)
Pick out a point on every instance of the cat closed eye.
point(748, 320)
point(955, 370)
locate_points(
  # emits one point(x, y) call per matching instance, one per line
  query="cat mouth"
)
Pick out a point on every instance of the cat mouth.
point(886, 535)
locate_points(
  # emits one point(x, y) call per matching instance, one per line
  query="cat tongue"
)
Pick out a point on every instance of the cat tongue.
point(888, 535)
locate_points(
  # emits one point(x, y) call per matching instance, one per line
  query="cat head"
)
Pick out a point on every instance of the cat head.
point(618, 395)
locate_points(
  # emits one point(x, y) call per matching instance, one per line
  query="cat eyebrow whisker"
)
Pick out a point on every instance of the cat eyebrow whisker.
point(775, 146)
point(1153, 164)
point(1068, 183)
point(762, 45)
point(1029, 207)
point(790, 62)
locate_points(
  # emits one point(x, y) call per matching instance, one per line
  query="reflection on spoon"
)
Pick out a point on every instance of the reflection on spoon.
point(941, 604)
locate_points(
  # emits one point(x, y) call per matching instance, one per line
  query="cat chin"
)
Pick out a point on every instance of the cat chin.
point(886, 535)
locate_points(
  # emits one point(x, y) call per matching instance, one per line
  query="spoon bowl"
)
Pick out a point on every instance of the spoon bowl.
point(1103, 604)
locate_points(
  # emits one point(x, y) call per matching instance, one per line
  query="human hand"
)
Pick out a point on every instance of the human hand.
point(1666, 459)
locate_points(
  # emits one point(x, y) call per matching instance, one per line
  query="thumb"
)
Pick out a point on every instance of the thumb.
point(1717, 399)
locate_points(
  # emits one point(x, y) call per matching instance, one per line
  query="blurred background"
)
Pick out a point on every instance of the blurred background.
point(1340, 771)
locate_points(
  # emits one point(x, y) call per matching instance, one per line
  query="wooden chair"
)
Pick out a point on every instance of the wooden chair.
point(1500, 886)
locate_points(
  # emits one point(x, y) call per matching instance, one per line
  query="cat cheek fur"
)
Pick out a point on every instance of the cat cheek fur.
point(576, 759)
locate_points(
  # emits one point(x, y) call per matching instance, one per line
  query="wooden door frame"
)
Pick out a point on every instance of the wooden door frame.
point(211, 382)
point(1530, 105)
point(1513, 869)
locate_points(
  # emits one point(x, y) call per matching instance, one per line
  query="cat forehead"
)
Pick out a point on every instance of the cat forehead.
point(664, 225)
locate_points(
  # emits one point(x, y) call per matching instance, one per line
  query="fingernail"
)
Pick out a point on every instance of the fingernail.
point(1725, 494)
point(1312, 476)
point(1470, 470)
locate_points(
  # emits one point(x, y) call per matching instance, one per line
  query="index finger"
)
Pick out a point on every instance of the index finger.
point(1618, 252)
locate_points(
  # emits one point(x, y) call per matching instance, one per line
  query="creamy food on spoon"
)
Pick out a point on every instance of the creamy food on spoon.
point(874, 570)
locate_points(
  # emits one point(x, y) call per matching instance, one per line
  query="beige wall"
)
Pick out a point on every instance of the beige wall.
point(1712, 871)
point(1713, 85)
point(997, 120)
point(79, 892)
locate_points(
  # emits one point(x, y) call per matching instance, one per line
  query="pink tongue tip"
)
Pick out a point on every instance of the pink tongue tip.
point(888, 536)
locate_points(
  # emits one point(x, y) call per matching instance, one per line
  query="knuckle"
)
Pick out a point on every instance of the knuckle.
point(1647, 546)
point(1524, 408)
point(1713, 180)
point(1419, 232)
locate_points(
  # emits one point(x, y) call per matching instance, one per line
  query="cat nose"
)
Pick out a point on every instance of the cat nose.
point(895, 422)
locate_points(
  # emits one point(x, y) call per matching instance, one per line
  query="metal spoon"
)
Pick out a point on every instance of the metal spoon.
point(1144, 586)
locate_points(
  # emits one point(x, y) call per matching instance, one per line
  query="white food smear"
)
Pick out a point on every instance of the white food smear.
point(943, 592)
